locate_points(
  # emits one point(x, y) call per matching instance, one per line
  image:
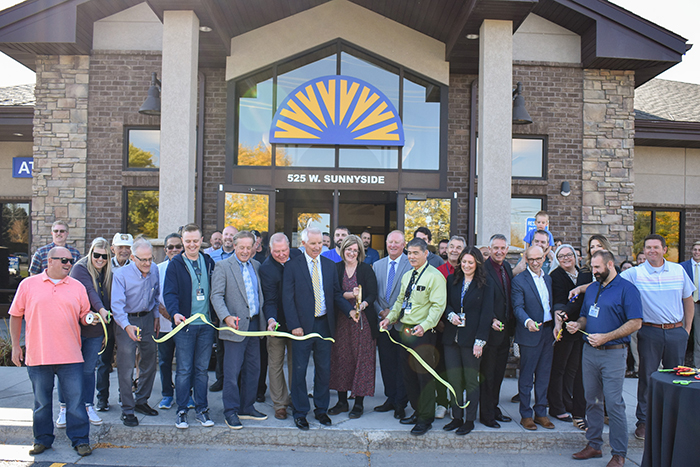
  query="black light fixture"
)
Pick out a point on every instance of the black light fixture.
point(152, 104)
point(520, 115)
point(565, 188)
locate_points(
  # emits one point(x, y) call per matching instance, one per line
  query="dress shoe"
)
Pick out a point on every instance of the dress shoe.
point(528, 423)
point(544, 422)
point(491, 424)
point(338, 408)
point(399, 413)
point(641, 431)
point(421, 429)
point(515, 398)
point(587, 453)
point(616, 461)
point(260, 398)
point(37, 449)
point(466, 428)
point(503, 418)
point(409, 420)
point(145, 409)
point(453, 425)
point(385, 407)
point(324, 419)
point(130, 419)
point(217, 386)
point(301, 423)
point(281, 414)
point(356, 411)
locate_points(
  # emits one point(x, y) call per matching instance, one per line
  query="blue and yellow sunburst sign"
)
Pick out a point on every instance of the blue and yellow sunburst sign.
point(337, 110)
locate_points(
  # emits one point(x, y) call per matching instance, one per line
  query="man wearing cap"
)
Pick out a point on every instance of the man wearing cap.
point(59, 232)
point(121, 249)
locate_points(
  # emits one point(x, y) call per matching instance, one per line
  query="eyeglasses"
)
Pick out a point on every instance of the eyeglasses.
point(174, 247)
point(567, 256)
point(63, 260)
point(100, 255)
point(539, 259)
point(59, 231)
point(354, 252)
point(144, 260)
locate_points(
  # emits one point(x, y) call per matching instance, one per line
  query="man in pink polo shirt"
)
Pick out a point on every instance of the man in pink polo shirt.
point(53, 306)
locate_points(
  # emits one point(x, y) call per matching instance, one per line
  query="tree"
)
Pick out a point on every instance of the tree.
point(304, 218)
point(143, 213)
point(260, 156)
point(247, 211)
point(138, 158)
point(431, 213)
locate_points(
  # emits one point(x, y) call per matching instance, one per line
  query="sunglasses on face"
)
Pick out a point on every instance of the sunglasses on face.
point(174, 247)
point(59, 231)
point(99, 255)
point(63, 260)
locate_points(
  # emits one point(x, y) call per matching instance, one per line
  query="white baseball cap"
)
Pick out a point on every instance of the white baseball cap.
point(122, 239)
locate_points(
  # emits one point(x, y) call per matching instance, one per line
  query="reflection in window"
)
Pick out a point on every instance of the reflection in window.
point(528, 157)
point(247, 211)
point(433, 213)
point(254, 117)
point(368, 69)
point(665, 223)
point(144, 149)
point(293, 74)
point(369, 157)
point(520, 210)
point(142, 213)
point(421, 125)
point(305, 156)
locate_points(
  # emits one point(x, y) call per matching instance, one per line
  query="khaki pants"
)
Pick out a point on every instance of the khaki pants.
point(275, 368)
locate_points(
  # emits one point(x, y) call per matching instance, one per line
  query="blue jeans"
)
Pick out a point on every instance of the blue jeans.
point(166, 351)
point(70, 377)
point(193, 352)
point(105, 366)
point(90, 347)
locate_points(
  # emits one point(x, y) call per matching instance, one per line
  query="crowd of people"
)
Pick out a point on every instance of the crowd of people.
point(461, 310)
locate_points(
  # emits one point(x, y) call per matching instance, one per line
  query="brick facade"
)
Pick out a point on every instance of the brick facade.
point(214, 145)
point(60, 147)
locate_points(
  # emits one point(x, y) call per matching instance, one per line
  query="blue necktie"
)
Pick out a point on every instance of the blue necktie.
point(390, 280)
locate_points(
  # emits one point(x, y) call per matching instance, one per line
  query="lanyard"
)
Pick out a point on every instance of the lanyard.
point(465, 287)
point(194, 266)
point(600, 289)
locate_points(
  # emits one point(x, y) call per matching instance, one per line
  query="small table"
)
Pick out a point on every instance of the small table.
point(673, 422)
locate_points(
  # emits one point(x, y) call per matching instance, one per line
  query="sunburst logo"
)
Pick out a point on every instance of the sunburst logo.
point(337, 110)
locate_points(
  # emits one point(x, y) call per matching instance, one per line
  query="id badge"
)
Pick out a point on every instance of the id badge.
point(200, 295)
point(593, 311)
point(407, 308)
point(463, 321)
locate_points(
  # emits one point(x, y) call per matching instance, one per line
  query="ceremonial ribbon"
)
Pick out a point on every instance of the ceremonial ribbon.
point(196, 316)
point(98, 317)
point(428, 368)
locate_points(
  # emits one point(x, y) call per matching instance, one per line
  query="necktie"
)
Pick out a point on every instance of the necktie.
point(407, 292)
point(316, 280)
point(504, 279)
point(696, 278)
point(250, 292)
point(390, 280)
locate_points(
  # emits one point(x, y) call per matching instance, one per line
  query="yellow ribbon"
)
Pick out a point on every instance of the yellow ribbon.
point(240, 333)
point(427, 367)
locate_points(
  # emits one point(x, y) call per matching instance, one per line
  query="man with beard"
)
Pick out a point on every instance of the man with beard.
point(371, 255)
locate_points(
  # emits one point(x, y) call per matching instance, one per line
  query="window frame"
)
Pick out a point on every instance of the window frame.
point(652, 226)
point(125, 204)
point(545, 156)
point(125, 148)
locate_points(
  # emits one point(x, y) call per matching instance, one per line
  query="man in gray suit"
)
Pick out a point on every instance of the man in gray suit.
point(389, 271)
point(237, 298)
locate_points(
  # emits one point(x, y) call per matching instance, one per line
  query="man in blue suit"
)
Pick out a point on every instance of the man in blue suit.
point(692, 267)
point(311, 294)
point(532, 305)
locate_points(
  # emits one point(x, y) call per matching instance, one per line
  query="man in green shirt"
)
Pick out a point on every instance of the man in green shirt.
point(418, 308)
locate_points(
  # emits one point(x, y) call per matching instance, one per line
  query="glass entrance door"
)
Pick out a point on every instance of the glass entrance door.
point(436, 211)
point(247, 208)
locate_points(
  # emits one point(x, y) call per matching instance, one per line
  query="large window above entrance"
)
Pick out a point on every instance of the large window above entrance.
point(418, 103)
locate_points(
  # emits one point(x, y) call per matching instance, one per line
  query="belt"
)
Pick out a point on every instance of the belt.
point(610, 347)
point(547, 324)
point(139, 314)
point(665, 326)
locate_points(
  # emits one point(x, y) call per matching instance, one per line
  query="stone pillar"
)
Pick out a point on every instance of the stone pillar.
point(178, 120)
point(608, 153)
point(495, 132)
point(60, 147)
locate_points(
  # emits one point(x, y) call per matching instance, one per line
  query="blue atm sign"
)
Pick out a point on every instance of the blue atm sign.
point(22, 167)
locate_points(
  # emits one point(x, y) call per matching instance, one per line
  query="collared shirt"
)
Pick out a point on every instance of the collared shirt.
point(40, 260)
point(220, 255)
point(371, 256)
point(544, 293)
point(309, 263)
point(618, 302)
point(663, 290)
point(428, 299)
point(254, 307)
point(210, 250)
point(332, 255)
point(165, 324)
point(116, 265)
point(446, 269)
point(52, 313)
point(134, 293)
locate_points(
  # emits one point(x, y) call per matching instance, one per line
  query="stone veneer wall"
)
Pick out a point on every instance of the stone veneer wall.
point(60, 147)
point(608, 155)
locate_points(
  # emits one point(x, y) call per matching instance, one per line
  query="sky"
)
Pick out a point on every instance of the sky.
point(679, 16)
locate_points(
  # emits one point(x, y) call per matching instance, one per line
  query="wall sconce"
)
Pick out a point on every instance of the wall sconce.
point(520, 115)
point(152, 104)
point(565, 188)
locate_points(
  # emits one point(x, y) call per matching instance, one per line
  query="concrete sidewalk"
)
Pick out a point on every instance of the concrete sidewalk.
point(373, 431)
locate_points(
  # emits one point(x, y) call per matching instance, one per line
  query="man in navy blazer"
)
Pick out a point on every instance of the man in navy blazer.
point(692, 267)
point(534, 332)
point(311, 294)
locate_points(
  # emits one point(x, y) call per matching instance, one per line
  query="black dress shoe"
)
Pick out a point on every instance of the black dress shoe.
point(409, 420)
point(453, 425)
point(466, 428)
point(399, 413)
point(421, 429)
point(385, 407)
point(145, 409)
point(217, 386)
point(129, 419)
point(339, 408)
point(491, 424)
point(515, 398)
point(356, 411)
point(503, 418)
point(301, 423)
point(324, 419)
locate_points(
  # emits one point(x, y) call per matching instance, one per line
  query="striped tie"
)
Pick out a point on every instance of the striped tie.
point(390, 280)
point(316, 279)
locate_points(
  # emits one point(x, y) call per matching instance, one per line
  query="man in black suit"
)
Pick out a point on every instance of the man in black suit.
point(534, 333)
point(271, 271)
point(311, 293)
point(495, 357)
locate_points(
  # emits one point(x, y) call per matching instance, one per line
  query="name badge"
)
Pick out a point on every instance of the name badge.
point(407, 308)
point(593, 311)
point(200, 295)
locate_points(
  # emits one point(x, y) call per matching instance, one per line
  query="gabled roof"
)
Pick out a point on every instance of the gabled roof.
point(17, 113)
point(17, 95)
